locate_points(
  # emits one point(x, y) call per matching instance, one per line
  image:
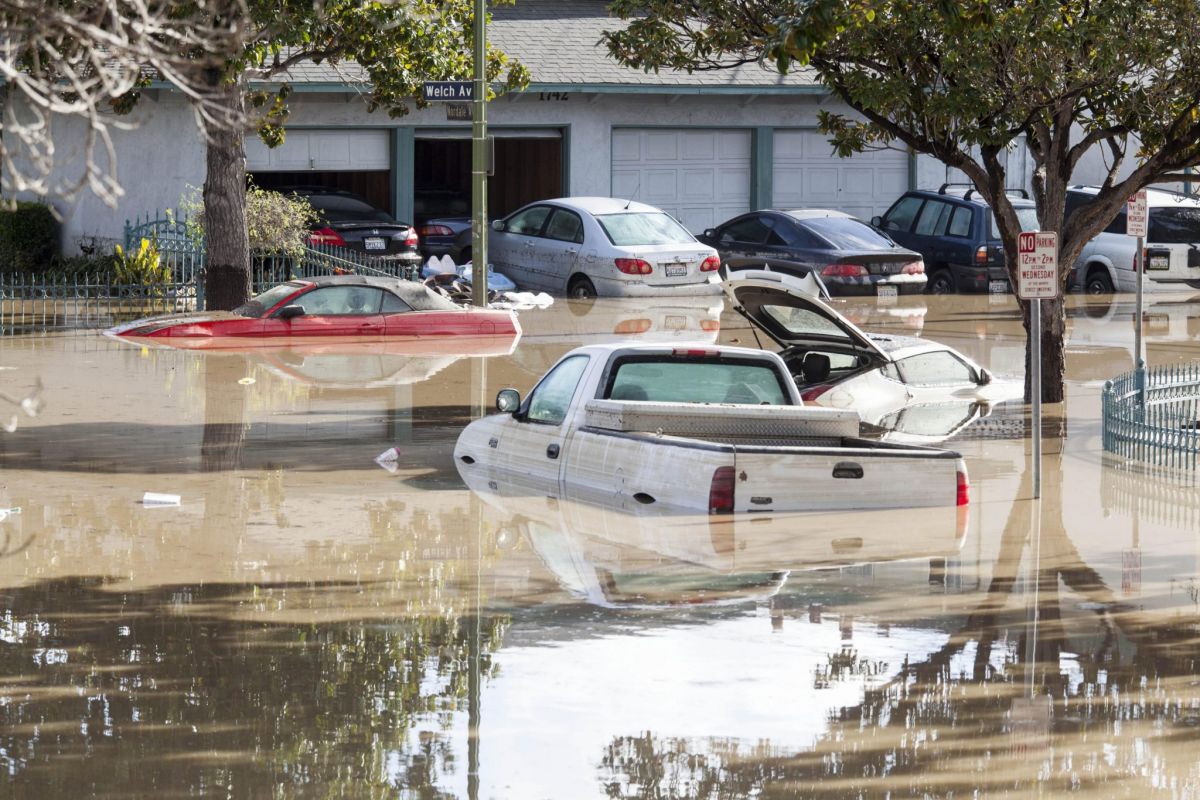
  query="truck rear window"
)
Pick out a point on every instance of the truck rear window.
point(699, 380)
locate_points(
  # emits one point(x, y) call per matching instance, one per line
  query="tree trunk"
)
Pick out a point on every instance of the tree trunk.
point(227, 275)
point(1054, 358)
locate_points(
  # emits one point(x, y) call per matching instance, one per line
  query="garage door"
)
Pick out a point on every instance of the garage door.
point(321, 151)
point(701, 177)
point(808, 174)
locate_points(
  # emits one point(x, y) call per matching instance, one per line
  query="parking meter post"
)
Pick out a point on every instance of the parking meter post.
point(1035, 332)
point(479, 162)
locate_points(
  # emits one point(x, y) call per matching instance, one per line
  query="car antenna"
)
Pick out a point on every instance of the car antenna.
point(636, 189)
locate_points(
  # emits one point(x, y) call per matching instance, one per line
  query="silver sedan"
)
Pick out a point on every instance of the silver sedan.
point(590, 246)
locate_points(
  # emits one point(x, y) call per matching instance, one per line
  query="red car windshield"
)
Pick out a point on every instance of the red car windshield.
point(264, 302)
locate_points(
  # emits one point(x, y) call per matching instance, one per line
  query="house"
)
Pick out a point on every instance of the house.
point(703, 146)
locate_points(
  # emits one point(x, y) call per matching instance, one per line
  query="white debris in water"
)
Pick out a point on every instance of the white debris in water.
point(158, 500)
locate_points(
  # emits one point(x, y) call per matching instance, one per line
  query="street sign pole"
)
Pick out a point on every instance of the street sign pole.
point(479, 165)
point(1137, 218)
point(1037, 278)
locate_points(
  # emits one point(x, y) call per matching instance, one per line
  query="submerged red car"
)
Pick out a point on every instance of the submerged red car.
point(362, 307)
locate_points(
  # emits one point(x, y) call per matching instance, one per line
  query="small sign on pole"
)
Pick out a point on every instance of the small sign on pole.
point(1037, 267)
point(453, 91)
point(1137, 216)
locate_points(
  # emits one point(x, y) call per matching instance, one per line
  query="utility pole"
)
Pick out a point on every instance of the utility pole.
point(479, 165)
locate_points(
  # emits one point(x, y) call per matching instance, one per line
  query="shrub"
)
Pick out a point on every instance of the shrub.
point(276, 223)
point(28, 237)
point(144, 267)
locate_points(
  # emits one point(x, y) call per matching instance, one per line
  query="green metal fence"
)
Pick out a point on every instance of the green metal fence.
point(1153, 415)
point(40, 302)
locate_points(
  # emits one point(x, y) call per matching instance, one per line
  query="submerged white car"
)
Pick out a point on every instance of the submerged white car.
point(836, 364)
point(600, 246)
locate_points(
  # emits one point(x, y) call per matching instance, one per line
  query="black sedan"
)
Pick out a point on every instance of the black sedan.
point(850, 256)
point(347, 220)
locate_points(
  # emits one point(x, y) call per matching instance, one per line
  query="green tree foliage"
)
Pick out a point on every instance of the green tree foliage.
point(396, 45)
point(966, 82)
point(275, 222)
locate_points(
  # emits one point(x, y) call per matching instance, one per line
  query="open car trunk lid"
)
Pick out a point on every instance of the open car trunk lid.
point(787, 309)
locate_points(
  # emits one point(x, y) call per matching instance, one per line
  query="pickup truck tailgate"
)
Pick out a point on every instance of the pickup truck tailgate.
point(874, 475)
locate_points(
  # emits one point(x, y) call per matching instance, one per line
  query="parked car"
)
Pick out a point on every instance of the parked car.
point(850, 256)
point(625, 422)
point(835, 364)
point(601, 246)
point(956, 235)
point(347, 220)
point(1172, 245)
point(446, 236)
point(366, 308)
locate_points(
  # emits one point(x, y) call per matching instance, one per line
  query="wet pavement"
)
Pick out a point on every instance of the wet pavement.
point(309, 623)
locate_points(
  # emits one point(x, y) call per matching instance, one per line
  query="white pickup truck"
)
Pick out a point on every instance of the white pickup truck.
point(698, 427)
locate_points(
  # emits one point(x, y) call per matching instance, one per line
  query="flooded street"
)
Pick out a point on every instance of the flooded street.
point(309, 622)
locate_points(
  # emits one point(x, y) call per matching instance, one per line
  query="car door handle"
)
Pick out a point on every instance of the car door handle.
point(847, 469)
point(552, 451)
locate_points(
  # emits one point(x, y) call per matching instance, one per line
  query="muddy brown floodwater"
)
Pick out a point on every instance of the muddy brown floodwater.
point(308, 623)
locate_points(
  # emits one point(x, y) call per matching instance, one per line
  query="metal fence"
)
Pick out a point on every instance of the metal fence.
point(40, 302)
point(1153, 415)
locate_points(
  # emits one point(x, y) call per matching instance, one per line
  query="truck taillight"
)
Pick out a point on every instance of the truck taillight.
point(696, 352)
point(964, 488)
point(633, 326)
point(720, 491)
point(981, 254)
point(844, 271)
point(914, 268)
point(411, 239)
point(813, 392)
point(326, 236)
point(710, 264)
point(634, 266)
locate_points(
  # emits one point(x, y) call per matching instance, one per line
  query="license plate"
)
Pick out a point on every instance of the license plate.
point(1159, 262)
point(674, 322)
point(374, 243)
point(676, 270)
point(998, 287)
point(887, 292)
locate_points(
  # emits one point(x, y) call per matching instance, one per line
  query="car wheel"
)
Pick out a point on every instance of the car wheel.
point(940, 282)
point(1098, 282)
point(581, 288)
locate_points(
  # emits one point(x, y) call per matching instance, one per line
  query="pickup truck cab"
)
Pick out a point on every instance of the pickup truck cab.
point(698, 427)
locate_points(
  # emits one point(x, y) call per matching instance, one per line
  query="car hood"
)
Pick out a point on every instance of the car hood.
point(168, 320)
point(759, 296)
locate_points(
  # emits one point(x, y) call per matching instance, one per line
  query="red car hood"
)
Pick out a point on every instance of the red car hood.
point(148, 325)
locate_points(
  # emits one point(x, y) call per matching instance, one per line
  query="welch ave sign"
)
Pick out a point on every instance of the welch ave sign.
point(455, 91)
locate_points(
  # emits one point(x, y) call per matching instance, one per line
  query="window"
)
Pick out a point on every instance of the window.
point(798, 236)
point(393, 304)
point(341, 301)
point(700, 380)
point(960, 223)
point(901, 215)
point(1026, 218)
point(936, 369)
point(847, 233)
point(346, 208)
point(565, 226)
point(264, 302)
point(748, 230)
point(550, 399)
point(528, 222)
point(802, 321)
point(934, 216)
point(644, 227)
point(1174, 225)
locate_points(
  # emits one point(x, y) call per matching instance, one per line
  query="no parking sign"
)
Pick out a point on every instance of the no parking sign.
point(1037, 265)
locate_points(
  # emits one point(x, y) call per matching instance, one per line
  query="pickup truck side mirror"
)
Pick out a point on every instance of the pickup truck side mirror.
point(508, 401)
point(291, 312)
point(498, 225)
point(877, 221)
point(985, 377)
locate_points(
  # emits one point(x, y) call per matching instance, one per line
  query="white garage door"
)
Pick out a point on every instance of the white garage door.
point(321, 151)
point(701, 177)
point(808, 174)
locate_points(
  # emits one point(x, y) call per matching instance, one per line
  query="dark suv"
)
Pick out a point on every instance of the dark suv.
point(956, 234)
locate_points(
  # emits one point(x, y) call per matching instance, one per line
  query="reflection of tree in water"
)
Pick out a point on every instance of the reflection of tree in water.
point(144, 693)
point(1118, 685)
